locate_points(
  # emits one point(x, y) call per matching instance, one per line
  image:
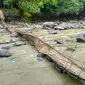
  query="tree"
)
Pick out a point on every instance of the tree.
point(71, 6)
point(26, 7)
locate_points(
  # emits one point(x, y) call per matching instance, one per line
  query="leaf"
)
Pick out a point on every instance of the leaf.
point(54, 2)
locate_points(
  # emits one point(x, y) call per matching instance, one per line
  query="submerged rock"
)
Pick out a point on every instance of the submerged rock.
point(60, 41)
point(70, 49)
point(40, 57)
point(80, 37)
point(20, 43)
point(5, 53)
point(63, 40)
point(58, 68)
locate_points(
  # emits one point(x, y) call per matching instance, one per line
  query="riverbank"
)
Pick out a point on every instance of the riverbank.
point(57, 25)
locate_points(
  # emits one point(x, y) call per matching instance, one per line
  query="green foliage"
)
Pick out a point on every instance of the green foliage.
point(71, 6)
point(26, 7)
point(25, 17)
point(49, 6)
point(8, 2)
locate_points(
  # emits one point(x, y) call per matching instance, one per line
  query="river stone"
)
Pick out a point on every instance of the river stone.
point(6, 41)
point(63, 40)
point(13, 40)
point(6, 47)
point(60, 41)
point(2, 31)
point(58, 69)
point(48, 24)
point(80, 37)
point(5, 53)
point(39, 55)
point(1, 27)
point(58, 28)
point(14, 34)
point(52, 31)
point(1, 42)
point(20, 43)
point(70, 49)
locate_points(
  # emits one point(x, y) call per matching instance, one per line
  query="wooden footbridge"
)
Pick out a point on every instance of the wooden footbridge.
point(45, 46)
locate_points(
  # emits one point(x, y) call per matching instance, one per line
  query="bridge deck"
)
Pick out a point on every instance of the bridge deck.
point(44, 44)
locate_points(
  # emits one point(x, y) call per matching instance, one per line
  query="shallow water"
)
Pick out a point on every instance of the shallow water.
point(71, 34)
point(24, 68)
point(27, 70)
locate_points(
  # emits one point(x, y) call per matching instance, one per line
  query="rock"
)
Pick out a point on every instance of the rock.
point(58, 68)
point(6, 47)
point(39, 55)
point(82, 22)
point(52, 31)
point(1, 26)
point(40, 58)
point(36, 26)
point(47, 28)
point(19, 43)
point(63, 40)
point(13, 40)
point(1, 42)
point(82, 26)
point(48, 24)
point(70, 49)
point(55, 24)
point(63, 25)
point(14, 34)
point(3, 31)
point(6, 42)
point(60, 41)
point(58, 28)
point(5, 53)
point(80, 37)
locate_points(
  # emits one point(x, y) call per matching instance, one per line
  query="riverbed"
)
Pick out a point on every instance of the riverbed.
point(25, 68)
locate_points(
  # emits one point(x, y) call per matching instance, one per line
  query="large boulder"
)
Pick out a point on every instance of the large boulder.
point(47, 25)
point(58, 27)
point(63, 25)
point(5, 53)
point(80, 37)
